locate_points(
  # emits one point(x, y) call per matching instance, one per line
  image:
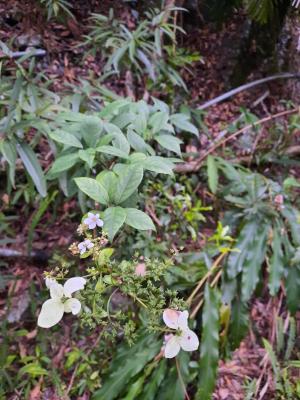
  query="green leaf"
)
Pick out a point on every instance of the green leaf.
point(128, 363)
point(65, 138)
point(181, 122)
point(138, 219)
point(209, 344)
point(33, 167)
point(113, 218)
point(129, 180)
point(87, 156)
point(212, 173)
point(33, 369)
point(90, 129)
point(158, 121)
point(255, 256)
point(63, 163)
point(138, 143)
point(43, 206)
point(109, 180)
point(157, 377)
point(293, 287)
point(277, 263)
point(8, 149)
point(236, 259)
point(239, 323)
point(159, 165)
point(113, 151)
point(169, 142)
point(93, 189)
point(119, 140)
point(292, 215)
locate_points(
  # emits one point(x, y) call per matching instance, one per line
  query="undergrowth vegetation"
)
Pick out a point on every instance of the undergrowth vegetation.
point(173, 234)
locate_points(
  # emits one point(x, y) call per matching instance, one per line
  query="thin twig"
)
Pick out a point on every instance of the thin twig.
point(204, 279)
point(196, 164)
point(246, 86)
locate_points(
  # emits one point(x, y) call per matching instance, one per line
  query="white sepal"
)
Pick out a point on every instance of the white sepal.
point(172, 347)
point(73, 284)
point(73, 306)
point(51, 313)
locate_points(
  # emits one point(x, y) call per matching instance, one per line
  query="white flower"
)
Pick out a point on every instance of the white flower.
point(93, 220)
point(85, 245)
point(61, 301)
point(184, 338)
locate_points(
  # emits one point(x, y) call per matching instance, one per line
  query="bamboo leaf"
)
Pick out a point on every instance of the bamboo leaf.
point(253, 261)
point(236, 259)
point(212, 173)
point(33, 167)
point(239, 323)
point(276, 263)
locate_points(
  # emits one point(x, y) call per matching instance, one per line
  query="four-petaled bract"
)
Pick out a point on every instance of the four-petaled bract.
point(183, 338)
point(93, 220)
point(61, 301)
point(85, 245)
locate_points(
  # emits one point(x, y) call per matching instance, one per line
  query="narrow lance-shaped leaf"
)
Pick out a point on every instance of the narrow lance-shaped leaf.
point(209, 356)
point(255, 256)
point(276, 263)
point(212, 174)
point(293, 287)
point(237, 258)
point(33, 167)
point(239, 323)
point(126, 365)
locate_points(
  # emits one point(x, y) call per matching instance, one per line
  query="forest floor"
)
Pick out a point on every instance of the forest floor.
point(64, 64)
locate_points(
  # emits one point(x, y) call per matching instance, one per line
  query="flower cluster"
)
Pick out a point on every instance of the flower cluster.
point(134, 280)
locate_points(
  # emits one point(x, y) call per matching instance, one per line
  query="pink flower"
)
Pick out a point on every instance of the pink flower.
point(140, 269)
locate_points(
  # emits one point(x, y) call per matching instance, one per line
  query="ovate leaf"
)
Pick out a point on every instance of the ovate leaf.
point(65, 138)
point(93, 189)
point(138, 219)
point(129, 180)
point(109, 180)
point(158, 121)
point(209, 356)
point(63, 163)
point(169, 142)
point(181, 121)
point(33, 167)
point(113, 218)
point(159, 165)
point(113, 151)
point(88, 156)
